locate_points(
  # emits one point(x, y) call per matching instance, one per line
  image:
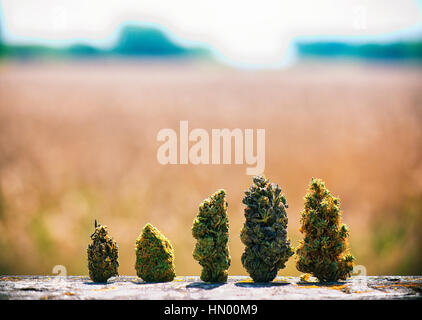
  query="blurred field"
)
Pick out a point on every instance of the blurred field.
point(78, 142)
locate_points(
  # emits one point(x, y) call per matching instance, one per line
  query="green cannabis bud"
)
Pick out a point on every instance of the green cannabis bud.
point(102, 255)
point(264, 232)
point(211, 230)
point(154, 256)
point(322, 251)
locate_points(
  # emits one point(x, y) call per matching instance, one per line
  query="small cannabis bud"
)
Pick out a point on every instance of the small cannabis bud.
point(322, 250)
point(102, 255)
point(265, 231)
point(211, 229)
point(154, 256)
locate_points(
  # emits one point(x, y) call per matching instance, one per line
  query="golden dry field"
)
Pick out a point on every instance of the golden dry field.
point(78, 143)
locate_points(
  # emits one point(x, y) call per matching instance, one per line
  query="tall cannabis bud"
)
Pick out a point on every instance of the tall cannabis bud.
point(211, 229)
point(102, 255)
point(265, 231)
point(154, 256)
point(322, 251)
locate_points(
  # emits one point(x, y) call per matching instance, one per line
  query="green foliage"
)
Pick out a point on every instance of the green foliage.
point(265, 230)
point(322, 251)
point(211, 229)
point(132, 41)
point(102, 255)
point(154, 256)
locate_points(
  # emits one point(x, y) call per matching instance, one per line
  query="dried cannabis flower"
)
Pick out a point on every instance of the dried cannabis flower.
point(211, 229)
point(322, 250)
point(102, 255)
point(154, 256)
point(265, 231)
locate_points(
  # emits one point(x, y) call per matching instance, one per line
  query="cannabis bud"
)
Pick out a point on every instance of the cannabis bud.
point(211, 229)
point(154, 256)
point(102, 255)
point(265, 231)
point(322, 251)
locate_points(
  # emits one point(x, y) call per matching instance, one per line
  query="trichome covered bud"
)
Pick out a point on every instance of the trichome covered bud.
point(102, 255)
point(322, 251)
point(154, 256)
point(265, 231)
point(211, 230)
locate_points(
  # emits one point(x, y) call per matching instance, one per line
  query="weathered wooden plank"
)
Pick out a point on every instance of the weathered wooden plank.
point(237, 288)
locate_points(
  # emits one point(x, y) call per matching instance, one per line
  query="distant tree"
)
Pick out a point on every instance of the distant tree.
point(143, 41)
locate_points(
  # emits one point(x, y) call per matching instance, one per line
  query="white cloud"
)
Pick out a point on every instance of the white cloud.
point(244, 31)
